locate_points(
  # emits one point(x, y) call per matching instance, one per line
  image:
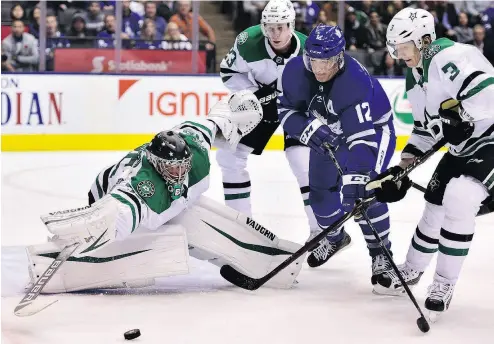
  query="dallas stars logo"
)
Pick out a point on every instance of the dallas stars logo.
point(413, 15)
point(145, 188)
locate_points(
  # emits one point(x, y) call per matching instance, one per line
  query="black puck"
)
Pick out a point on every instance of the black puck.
point(132, 334)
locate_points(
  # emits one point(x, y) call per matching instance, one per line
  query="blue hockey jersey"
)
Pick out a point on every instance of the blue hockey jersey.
point(353, 104)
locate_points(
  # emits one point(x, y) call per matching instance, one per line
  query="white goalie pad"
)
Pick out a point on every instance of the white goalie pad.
point(236, 117)
point(130, 263)
point(223, 235)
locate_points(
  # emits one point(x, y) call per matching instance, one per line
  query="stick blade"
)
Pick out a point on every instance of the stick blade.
point(239, 279)
point(31, 308)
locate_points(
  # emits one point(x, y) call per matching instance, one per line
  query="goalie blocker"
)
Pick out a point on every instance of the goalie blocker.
point(207, 231)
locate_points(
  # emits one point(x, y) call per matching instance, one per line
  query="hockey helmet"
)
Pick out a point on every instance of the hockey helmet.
point(278, 12)
point(325, 44)
point(409, 25)
point(171, 157)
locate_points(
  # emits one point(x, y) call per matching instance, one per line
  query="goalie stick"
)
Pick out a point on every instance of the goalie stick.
point(29, 304)
point(250, 283)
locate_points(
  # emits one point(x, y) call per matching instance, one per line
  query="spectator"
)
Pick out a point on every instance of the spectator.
point(108, 7)
point(131, 22)
point(150, 38)
point(17, 13)
point(475, 9)
point(94, 18)
point(19, 50)
point(486, 46)
point(34, 22)
point(322, 18)
point(150, 13)
point(184, 21)
point(367, 7)
point(164, 10)
point(138, 7)
point(447, 15)
point(463, 32)
point(438, 27)
point(308, 12)
point(54, 39)
point(389, 67)
point(78, 33)
point(376, 32)
point(173, 33)
point(254, 10)
point(488, 20)
point(391, 9)
point(107, 36)
point(355, 34)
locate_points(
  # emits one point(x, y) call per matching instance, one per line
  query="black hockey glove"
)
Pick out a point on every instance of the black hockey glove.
point(390, 191)
point(267, 97)
point(455, 130)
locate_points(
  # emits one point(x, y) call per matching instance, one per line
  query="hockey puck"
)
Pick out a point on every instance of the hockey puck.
point(132, 334)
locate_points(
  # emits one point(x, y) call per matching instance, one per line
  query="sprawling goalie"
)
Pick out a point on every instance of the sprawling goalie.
point(146, 214)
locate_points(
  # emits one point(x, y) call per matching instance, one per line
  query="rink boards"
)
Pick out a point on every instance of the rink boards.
point(54, 112)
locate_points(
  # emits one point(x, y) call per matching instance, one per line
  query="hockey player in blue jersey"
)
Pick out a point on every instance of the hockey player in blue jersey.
point(330, 101)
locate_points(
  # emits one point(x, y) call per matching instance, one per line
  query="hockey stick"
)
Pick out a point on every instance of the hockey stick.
point(422, 323)
point(240, 280)
point(28, 306)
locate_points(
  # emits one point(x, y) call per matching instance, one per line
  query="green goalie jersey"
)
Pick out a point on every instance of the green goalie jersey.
point(252, 64)
point(145, 198)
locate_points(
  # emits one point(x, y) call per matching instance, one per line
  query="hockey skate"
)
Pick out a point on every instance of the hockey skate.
point(439, 297)
point(389, 282)
point(326, 250)
point(380, 265)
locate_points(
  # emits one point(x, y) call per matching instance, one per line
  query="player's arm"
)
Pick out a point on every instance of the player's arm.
point(234, 70)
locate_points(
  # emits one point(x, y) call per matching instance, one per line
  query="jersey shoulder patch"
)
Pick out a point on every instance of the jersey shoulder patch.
point(250, 44)
point(433, 49)
point(151, 188)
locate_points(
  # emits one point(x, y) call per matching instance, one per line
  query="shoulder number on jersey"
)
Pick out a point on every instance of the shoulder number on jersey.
point(363, 116)
point(231, 57)
point(451, 69)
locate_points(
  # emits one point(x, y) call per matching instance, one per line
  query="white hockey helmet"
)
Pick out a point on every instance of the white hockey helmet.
point(278, 12)
point(410, 24)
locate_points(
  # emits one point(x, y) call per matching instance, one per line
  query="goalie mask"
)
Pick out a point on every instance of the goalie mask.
point(171, 158)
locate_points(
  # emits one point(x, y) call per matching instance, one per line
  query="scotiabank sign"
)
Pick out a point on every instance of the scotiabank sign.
point(132, 61)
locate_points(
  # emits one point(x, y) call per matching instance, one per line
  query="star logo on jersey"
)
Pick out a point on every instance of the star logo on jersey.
point(434, 183)
point(413, 16)
point(145, 188)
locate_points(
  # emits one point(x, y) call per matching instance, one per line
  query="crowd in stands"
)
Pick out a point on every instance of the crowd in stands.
point(469, 22)
point(92, 24)
point(168, 25)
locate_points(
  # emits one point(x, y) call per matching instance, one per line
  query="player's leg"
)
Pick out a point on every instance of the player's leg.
point(378, 213)
point(325, 201)
point(462, 199)
point(298, 156)
point(236, 178)
point(426, 237)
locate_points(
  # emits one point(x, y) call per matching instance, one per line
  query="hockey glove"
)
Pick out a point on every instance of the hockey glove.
point(455, 129)
point(388, 191)
point(319, 136)
point(354, 188)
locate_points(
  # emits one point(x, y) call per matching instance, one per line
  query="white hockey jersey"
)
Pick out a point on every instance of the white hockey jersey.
point(146, 199)
point(451, 71)
point(252, 64)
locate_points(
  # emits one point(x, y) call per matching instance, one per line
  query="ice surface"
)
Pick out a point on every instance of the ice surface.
point(332, 304)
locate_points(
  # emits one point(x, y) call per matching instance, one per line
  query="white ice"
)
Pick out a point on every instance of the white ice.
point(332, 304)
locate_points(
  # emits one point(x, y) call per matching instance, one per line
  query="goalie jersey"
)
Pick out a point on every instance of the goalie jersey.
point(451, 71)
point(146, 199)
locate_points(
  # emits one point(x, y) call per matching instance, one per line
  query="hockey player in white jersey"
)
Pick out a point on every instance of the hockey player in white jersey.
point(146, 213)
point(451, 89)
point(256, 62)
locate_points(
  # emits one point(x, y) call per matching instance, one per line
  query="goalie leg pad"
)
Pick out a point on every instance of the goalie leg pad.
point(223, 236)
point(133, 262)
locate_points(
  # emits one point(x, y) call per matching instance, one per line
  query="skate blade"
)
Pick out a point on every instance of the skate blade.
point(380, 290)
point(433, 316)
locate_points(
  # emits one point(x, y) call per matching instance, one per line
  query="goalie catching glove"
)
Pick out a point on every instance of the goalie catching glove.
point(235, 117)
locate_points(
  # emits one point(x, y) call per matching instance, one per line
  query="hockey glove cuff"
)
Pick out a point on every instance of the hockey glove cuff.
point(388, 191)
